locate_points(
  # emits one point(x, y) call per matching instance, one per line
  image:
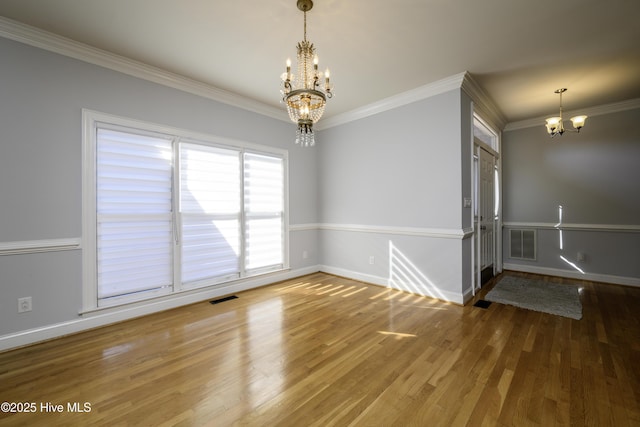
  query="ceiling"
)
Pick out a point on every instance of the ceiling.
point(518, 51)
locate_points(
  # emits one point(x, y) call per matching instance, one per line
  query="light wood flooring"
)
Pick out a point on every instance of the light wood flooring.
point(326, 351)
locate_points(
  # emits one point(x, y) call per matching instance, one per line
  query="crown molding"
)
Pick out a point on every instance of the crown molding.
point(32, 36)
point(395, 101)
point(482, 103)
point(36, 37)
point(599, 110)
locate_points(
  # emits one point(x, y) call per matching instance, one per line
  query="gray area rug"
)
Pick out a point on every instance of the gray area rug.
point(536, 295)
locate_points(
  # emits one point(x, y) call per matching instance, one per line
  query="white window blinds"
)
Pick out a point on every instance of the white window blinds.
point(264, 211)
point(173, 213)
point(210, 209)
point(133, 203)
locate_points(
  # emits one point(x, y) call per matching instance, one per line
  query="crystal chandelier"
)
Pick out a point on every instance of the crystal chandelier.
point(304, 93)
point(554, 124)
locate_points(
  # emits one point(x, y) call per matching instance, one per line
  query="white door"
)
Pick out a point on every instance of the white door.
point(485, 215)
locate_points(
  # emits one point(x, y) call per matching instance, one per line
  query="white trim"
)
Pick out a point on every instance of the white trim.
point(89, 268)
point(37, 246)
point(628, 228)
point(483, 105)
point(36, 37)
point(467, 232)
point(441, 233)
point(467, 295)
point(571, 274)
point(91, 117)
point(384, 281)
point(130, 311)
point(395, 101)
point(600, 110)
point(477, 142)
point(304, 227)
point(350, 274)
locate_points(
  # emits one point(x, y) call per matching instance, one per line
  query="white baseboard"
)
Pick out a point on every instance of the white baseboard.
point(594, 277)
point(467, 296)
point(350, 274)
point(384, 281)
point(119, 314)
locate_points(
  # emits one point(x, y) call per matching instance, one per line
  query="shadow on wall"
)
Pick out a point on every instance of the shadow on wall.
point(404, 275)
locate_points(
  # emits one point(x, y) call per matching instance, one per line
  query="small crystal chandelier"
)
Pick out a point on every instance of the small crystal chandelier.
point(554, 124)
point(302, 93)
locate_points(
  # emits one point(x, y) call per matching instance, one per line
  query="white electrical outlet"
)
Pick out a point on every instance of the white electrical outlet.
point(372, 260)
point(24, 304)
point(305, 254)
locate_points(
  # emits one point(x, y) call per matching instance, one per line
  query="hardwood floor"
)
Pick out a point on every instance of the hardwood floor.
point(326, 351)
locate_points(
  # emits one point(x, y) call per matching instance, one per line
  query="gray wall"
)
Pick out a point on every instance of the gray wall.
point(42, 95)
point(595, 177)
point(399, 169)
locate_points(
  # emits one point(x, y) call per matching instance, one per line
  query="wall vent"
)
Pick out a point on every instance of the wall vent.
point(522, 244)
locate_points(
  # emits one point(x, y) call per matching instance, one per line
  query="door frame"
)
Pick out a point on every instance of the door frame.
point(482, 150)
point(480, 144)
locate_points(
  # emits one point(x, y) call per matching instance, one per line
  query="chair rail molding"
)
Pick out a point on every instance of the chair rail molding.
point(37, 246)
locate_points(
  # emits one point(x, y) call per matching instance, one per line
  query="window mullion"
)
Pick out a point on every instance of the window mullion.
point(176, 217)
point(243, 218)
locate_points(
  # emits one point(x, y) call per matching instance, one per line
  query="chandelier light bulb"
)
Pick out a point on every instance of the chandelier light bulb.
point(554, 124)
point(578, 121)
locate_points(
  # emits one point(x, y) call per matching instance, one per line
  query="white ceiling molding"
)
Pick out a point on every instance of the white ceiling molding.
point(395, 101)
point(482, 101)
point(483, 104)
point(51, 42)
point(600, 110)
point(36, 37)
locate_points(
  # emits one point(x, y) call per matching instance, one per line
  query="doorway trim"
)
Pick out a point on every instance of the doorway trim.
point(486, 138)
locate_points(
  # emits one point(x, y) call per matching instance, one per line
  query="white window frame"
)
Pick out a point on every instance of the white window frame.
point(91, 120)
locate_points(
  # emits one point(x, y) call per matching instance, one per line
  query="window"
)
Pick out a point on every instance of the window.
point(263, 211)
point(210, 212)
point(166, 212)
point(133, 213)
